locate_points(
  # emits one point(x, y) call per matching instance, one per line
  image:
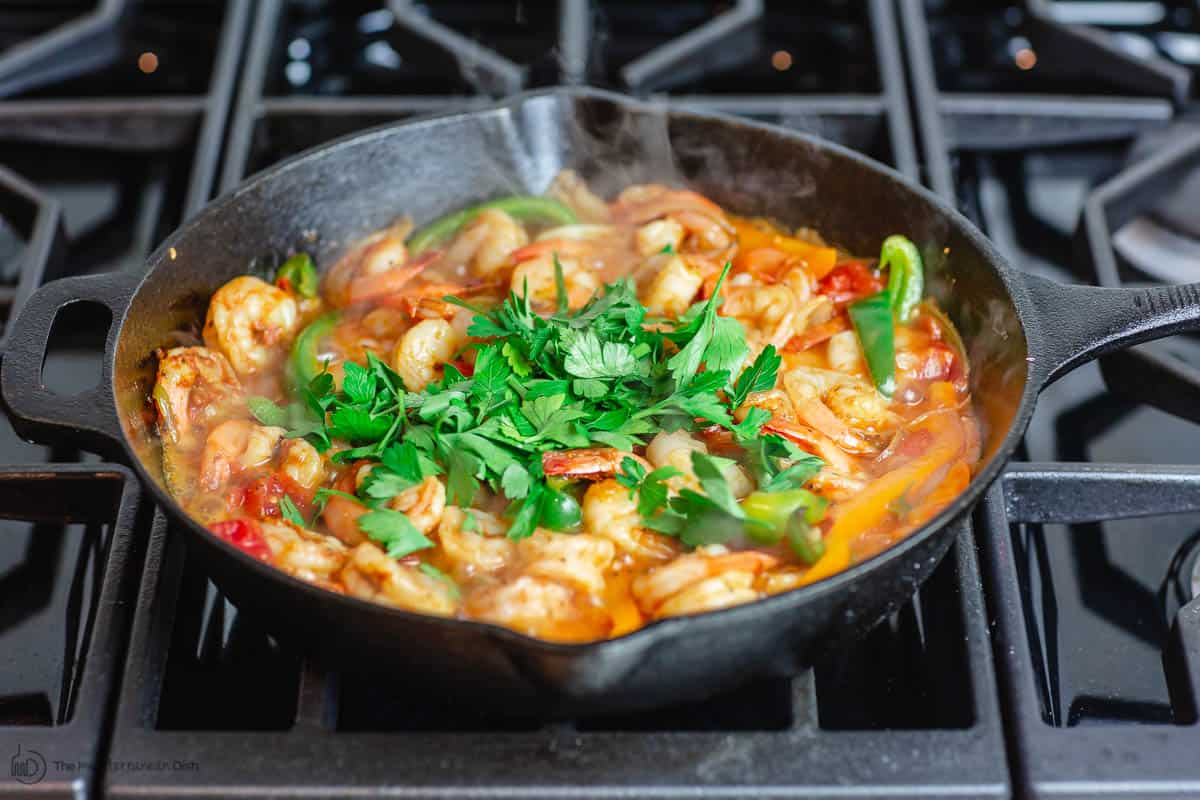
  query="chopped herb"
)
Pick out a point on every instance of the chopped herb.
point(596, 376)
point(291, 513)
point(394, 531)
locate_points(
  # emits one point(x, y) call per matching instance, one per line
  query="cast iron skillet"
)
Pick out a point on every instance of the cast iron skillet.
point(1021, 332)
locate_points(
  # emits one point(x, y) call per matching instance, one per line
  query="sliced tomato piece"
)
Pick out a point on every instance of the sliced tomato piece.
point(245, 535)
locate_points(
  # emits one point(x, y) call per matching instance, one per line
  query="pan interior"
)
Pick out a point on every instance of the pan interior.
point(323, 201)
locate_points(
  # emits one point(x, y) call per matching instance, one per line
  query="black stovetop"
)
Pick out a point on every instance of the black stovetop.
point(1054, 653)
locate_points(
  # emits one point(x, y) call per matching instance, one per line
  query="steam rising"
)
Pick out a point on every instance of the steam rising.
point(613, 146)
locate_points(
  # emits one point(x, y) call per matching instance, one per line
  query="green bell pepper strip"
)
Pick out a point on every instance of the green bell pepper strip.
point(804, 539)
point(304, 362)
point(872, 320)
point(300, 274)
point(773, 509)
point(560, 511)
point(523, 208)
point(906, 275)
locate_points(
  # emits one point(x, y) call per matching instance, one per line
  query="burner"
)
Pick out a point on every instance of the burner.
point(1165, 241)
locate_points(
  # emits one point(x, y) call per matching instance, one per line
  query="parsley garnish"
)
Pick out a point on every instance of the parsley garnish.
point(598, 376)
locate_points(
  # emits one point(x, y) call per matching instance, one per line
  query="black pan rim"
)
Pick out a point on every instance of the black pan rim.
point(780, 604)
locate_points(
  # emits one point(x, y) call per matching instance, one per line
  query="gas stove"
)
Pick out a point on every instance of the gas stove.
point(1055, 652)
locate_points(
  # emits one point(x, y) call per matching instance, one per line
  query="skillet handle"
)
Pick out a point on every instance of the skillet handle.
point(88, 420)
point(1079, 323)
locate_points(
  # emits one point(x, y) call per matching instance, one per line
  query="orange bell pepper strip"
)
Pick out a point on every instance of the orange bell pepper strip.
point(951, 487)
point(871, 506)
point(758, 233)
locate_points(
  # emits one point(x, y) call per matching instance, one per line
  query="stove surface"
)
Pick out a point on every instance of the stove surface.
point(1055, 652)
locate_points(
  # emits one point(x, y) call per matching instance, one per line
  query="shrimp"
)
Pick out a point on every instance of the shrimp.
point(371, 575)
point(673, 286)
point(580, 559)
point(394, 279)
point(375, 255)
point(843, 407)
point(536, 278)
point(251, 322)
point(608, 511)
point(659, 235)
point(233, 446)
point(573, 192)
point(675, 450)
point(843, 353)
point(812, 441)
point(301, 462)
point(586, 463)
point(768, 312)
point(703, 220)
point(542, 608)
point(423, 504)
point(486, 242)
point(423, 350)
point(303, 553)
point(194, 385)
point(483, 549)
point(710, 578)
point(341, 517)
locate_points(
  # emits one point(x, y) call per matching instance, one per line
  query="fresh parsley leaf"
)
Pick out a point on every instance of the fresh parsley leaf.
point(526, 519)
point(515, 482)
point(560, 286)
point(705, 406)
point(356, 425)
point(728, 346)
point(653, 491)
point(794, 476)
point(686, 362)
point(631, 474)
point(758, 377)
point(589, 388)
point(358, 384)
point(587, 357)
point(267, 412)
point(409, 462)
point(469, 522)
point(382, 484)
point(394, 531)
point(712, 479)
point(292, 514)
point(461, 483)
point(763, 459)
point(751, 425)
point(516, 359)
point(492, 371)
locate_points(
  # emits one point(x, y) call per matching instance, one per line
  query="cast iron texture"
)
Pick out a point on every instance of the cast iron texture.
point(1081, 763)
point(324, 199)
point(320, 753)
point(92, 494)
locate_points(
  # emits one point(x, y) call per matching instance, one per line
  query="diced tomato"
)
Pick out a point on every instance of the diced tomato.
point(938, 363)
point(462, 366)
point(245, 535)
point(260, 498)
point(849, 281)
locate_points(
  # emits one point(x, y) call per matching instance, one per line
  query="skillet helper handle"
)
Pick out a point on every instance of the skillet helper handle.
point(87, 420)
point(1080, 323)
